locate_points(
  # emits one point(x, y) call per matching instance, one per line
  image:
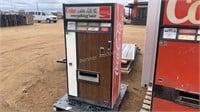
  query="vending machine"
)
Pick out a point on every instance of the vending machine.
point(93, 42)
point(177, 70)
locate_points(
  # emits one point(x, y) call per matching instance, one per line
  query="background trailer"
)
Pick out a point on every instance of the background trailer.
point(176, 85)
point(93, 41)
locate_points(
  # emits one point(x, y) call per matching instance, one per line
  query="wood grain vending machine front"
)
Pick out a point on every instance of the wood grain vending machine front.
point(177, 74)
point(93, 36)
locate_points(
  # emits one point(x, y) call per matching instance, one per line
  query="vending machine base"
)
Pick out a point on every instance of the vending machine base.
point(64, 104)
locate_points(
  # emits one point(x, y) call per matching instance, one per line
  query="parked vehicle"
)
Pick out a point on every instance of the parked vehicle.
point(40, 16)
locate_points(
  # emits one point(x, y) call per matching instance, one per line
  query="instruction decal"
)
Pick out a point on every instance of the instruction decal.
point(98, 12)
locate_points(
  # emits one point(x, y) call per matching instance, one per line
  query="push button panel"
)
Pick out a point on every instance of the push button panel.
point(181, 34)
point(98, 27)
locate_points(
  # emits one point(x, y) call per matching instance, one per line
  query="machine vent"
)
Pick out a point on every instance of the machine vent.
point(189, 99)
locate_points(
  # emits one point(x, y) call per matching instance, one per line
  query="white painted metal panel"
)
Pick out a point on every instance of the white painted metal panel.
point(71, 63)
point(129, 51)
point(153, 18)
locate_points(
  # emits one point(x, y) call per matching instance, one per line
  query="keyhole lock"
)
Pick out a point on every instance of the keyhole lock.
point(160, 79)
point(70, 64)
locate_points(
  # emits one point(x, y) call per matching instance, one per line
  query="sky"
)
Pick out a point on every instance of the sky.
point(48, 5)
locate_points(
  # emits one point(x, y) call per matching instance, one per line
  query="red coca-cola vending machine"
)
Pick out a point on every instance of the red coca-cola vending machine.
point(93, 42)
point(177, 72)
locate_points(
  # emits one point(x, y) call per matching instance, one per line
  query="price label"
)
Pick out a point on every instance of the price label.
point(82, 28)
point(105, 25)
point(93, 28)
point(82, 23)
point(93, 24)
point(186, 37)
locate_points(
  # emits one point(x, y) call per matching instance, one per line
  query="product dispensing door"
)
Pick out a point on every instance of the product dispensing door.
point(93, 49)
point(177, 74)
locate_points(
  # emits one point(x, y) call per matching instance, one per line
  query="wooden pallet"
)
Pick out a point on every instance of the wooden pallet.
point(126, 66)
point(146, 106)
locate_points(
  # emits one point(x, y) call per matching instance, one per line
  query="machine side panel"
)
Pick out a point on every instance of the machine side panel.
point(71, 63)
point(117, 51)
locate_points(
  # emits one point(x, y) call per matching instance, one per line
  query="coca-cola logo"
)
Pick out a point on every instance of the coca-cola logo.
point(70, 10)
point(191, 14)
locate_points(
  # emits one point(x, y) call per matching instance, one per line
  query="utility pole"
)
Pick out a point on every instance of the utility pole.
point(37, 5)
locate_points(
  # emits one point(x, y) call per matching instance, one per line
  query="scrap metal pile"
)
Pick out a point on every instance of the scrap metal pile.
point(129, 52)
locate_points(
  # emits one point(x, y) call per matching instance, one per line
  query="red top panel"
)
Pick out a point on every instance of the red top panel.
point(182, 12)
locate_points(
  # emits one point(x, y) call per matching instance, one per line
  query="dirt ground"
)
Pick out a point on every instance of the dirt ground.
point(30, 78)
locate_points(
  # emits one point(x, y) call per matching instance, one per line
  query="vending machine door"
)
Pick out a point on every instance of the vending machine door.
point(177, 68)
point(94, 66)
point(178, 59)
